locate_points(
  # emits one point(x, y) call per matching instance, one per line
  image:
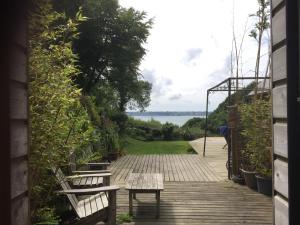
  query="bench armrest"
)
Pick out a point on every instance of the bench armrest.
point(89, 175)
point(90, 171)
point(88, 191)
point(98, 164)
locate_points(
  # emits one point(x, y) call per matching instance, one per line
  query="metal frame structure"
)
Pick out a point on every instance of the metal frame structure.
point(230, 85)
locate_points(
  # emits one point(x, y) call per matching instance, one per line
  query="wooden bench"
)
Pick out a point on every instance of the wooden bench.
point(94, 167)
point(145, 183)
point(100, 205)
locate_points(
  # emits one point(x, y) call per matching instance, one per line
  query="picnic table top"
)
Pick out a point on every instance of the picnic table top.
point(145, 181)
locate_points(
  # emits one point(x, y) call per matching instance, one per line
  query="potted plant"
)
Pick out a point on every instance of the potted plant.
point(248, 144)
point(264, 171)
point(256, 156)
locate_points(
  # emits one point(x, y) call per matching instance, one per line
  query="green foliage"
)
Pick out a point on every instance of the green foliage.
point(192, 133)
point(195, 122)
point(144, 130)
point(263, 16)
point(257, 134)
point(124, 218)
point(110, 49)
point(47, 216)
point(58, 123)
point(219, 116)
point(171, 132)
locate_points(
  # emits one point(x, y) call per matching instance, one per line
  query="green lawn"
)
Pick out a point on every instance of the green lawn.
point(137, 147)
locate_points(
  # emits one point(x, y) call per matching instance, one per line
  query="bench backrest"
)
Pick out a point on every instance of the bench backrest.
point(65, 186)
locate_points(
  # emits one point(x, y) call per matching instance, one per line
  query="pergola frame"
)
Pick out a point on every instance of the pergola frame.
point(230, 85)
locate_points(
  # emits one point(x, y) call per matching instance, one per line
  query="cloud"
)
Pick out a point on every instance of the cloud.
point(191, 55)
point(175, 97)
point(221, 74)
point(159, 84)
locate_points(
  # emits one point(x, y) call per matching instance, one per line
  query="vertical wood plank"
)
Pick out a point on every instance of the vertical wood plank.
point(281, 208)
point(278, 27)
point(281, 177)
point(279, 64)
point(19, 174)
point(280, 102)
point(280, 139)
point(275, 3)
point(18, 138)
point(18, 101)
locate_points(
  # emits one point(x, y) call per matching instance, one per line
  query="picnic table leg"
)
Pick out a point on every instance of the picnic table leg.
point(157, 203)
point(130, 203)
point(134, 195)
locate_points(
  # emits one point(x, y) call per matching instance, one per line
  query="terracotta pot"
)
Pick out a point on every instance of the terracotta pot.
point(250, 178)
point(264, 185)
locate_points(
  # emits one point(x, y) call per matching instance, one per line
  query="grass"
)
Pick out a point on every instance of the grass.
point(137, 147)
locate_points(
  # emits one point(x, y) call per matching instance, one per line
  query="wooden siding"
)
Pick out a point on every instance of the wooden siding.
point(281, 211)
point(279, 93)
point(280, 139)
point(18, 103)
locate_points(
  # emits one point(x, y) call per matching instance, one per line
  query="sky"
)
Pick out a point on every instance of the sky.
point(189, 49)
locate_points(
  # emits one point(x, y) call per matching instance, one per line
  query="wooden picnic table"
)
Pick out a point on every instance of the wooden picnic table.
point(145, 183)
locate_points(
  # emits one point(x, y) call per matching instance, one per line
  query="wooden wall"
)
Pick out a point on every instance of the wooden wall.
point(19, 125)
point(14, 114)
point(280, 135)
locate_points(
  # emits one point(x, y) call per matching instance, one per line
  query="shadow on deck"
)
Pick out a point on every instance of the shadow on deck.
point(196, 190)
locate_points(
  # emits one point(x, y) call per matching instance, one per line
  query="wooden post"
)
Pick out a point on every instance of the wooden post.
point(157, 204)
point(206, 115)
point(130, 203)
point(112, 211)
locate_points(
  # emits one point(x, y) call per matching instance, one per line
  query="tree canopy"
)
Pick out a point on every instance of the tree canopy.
point(110, 49)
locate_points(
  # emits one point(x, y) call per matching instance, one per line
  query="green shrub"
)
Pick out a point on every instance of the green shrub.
point(192, 133)
point(59, 124)
point(257, 134)
point(195, 122)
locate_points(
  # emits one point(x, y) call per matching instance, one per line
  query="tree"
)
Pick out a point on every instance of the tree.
point(263, 17)
point(110, 49)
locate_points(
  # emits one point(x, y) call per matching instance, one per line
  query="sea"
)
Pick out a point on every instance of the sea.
point(178, 120)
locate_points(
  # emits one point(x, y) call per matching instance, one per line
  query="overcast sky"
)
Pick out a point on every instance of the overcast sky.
point(189, 48)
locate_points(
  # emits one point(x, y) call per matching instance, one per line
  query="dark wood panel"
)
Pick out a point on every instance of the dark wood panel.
point(19, 176)
point(18, 138)
point(18, 101)
point(275, 3)
point(18, 64)
point(20, 211)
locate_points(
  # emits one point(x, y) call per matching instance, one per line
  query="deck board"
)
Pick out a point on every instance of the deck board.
point(196, 192)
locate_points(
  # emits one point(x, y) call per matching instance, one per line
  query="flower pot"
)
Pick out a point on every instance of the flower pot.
point(250, 179)
point(238, 179)
point(264, 185)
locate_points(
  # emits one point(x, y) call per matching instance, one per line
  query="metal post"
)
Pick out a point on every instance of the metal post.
point(229, 146)
point(206, 115)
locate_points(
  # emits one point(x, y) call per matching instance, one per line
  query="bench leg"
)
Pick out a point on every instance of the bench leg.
point(130, 203)
point(157, 204)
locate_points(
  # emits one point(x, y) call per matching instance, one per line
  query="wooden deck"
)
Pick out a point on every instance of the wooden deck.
point(196, 190)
